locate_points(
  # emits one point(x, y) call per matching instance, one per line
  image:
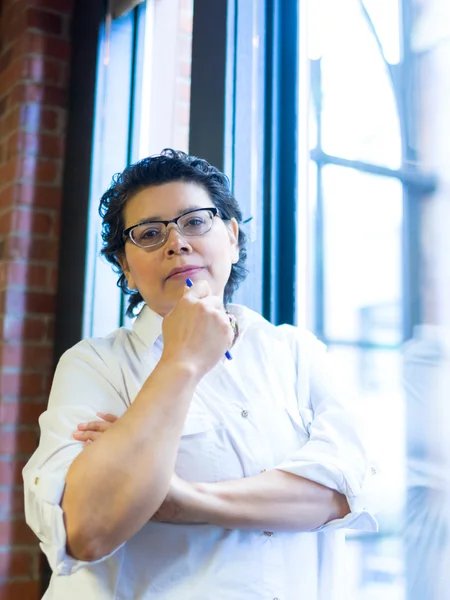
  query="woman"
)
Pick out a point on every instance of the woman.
point(220, 479)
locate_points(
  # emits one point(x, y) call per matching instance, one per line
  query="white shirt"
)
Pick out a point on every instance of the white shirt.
point(272, 406)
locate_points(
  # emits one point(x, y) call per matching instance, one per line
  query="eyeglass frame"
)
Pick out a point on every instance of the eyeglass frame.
point(126, 232)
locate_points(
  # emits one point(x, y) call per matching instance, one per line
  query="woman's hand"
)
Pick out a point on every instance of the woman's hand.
point(89, 432)
point(197, 332)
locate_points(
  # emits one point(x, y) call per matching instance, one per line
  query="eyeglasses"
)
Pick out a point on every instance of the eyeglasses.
point(155, 233)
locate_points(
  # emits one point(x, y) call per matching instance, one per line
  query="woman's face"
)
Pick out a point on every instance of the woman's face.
point(208, 256)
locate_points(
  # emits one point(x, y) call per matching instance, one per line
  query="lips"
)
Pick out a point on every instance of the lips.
point(185, 270)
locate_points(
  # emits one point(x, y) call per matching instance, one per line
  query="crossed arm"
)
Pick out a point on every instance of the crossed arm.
point(273, 500)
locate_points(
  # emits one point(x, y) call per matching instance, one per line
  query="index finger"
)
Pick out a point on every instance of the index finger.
point(107, 417)
point(199, 289)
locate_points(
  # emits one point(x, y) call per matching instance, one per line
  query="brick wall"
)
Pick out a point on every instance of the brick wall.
point(34, 56)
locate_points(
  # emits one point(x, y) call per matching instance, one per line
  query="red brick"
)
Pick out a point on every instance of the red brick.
point(16, 563)
point(3, 105)
point(3, 276)
point(9, 170)
point(60, 6)
point(38, 93)
point(26, 220)
point(39, 196)
point(25, 413)
point(23, 590)
point(19, 442)
point(21, 248)
point(65, 76)
point(26, 275)
point(27, 329)
point(35, 118)
point(44, 145)
point(11, 76)
point(16, 26)
point(36, 43)
point(5, 59)
point(11, 503)
point(5, 222)
point(44, 21)
point(10, 121)
point(6, 196)
point(21, 384)
point(44, 70)
point(35, 170)
point(53, 120)
point(11, 471)
point(53, 279)
point(16, 533)
point(23, 302)
point(7, 12)
point(26, 356)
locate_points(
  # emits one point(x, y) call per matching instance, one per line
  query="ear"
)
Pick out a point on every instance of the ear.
point(122, 259)
point(233, 233)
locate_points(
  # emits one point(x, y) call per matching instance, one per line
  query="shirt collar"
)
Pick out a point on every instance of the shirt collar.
point(148, 326)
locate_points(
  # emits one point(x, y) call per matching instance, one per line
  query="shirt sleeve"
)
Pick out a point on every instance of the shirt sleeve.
point(82, 386)
point(335, 454)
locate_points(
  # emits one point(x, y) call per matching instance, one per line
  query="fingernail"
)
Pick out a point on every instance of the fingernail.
point(82, 426)
point(77, 434)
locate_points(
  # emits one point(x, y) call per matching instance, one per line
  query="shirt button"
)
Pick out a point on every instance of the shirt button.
point(36, 481)
point(268, 533)
point(244, 414)
point(373, 471)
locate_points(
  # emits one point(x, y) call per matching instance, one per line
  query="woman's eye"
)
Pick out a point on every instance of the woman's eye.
point(195, 222)
point(149, 233)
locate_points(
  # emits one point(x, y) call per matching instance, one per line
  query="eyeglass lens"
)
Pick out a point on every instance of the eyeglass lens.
point(151, 234)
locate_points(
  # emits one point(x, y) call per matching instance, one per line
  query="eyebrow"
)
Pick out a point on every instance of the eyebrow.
point(179, 213)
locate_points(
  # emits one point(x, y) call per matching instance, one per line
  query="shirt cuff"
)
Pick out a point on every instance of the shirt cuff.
point(360, 517)
point(44, 515)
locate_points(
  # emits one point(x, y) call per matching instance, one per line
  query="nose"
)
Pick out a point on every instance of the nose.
point(176, 243)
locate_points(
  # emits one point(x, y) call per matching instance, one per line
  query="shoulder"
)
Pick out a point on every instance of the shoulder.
point(92, 371)
point(98, 351)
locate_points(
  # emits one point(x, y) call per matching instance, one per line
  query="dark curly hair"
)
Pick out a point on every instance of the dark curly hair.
point(170, 165)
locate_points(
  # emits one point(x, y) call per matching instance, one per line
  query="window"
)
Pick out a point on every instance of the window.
point(142, 106)
point(362, 195)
